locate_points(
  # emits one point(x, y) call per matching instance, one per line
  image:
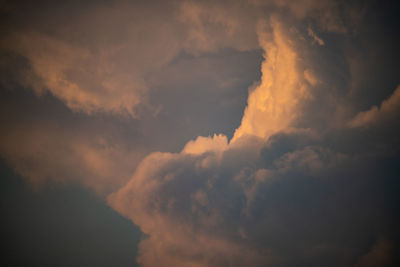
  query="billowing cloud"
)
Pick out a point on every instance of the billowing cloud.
point(272, 105)
point(100, 58)
point(258, 205)
point(389, 110)
point(300, 181)
point(275, 195)
point(204, 144)
point(104, 73)
point(84, 80)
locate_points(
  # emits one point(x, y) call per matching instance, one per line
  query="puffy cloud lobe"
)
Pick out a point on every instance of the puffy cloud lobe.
point(238, 211)
point(85, 81)
point(184, 220)
point(280, 201)
point(389, 110)
point(97, 61)
point(204, 144)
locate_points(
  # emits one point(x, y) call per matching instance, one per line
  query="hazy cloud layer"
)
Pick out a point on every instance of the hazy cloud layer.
point(49, 152)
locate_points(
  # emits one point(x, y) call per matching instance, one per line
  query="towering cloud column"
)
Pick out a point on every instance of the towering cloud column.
point(273, 105)
point(193, 205)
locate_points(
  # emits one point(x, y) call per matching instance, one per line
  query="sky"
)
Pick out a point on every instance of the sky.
point(200, 133)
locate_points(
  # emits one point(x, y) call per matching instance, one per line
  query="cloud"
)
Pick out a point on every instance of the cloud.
point(272, 105)
point(43, 152)
point(184, 220)
point(237, 211)
point(100, 60)
point(292, 186)
point(276, 194)
point(388, 110)
point(85, 81)
point(315, 38)
point(211, 26)
point(204, 144)
point(96, 62)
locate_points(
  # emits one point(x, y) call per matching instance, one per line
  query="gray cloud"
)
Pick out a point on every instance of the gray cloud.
point(293, 185)
point(280, 190)
point(311, 206)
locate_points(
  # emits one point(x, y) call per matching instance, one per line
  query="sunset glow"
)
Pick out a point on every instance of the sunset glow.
point(200, 133)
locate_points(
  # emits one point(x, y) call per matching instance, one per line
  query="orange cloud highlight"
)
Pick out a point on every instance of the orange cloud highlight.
point(204, 144)
point(273, 105)
point(180, 225)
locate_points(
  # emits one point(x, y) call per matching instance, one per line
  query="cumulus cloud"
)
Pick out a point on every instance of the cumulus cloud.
point(183, 221)
point(199, 189)
point(92, 70)
point(275, 195)
point(389, 110)
point(272, 104)
point(237, 210)
point(99, 58)
point(85, 81)
point(204, 144)
point(283, 191)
